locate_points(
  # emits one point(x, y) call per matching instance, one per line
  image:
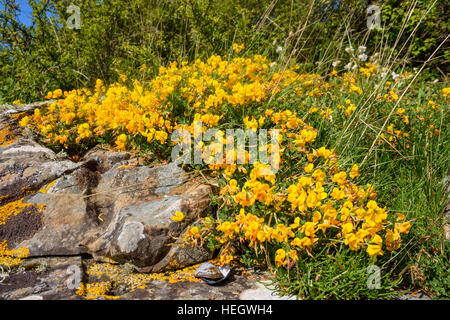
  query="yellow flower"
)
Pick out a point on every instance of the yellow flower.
point(280, 255)
point(238, 47)
point(403, 227)
point(309, 167)
point(374, 250)
point(372, 205)
point(375, 247)
point(194, 231)
point(293, 255)
point(347, 228)
point(57, 93)
point(161, 136)
point(392, 240)
point(354, 172)
point(340, 177)
point(179, 216)
point(24, 122)
point(251, 124)
point(302, 243)
point(120, 142)
point(296, 223)
point(309, 228)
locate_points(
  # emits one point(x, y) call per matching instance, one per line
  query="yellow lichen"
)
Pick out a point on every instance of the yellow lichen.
point(96, 290)
point(6, 137)
point(14, 208)
point(132, 281)
point(12, 258)
point(47, 187)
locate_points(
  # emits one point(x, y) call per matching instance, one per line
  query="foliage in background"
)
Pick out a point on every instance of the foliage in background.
point(120, 36)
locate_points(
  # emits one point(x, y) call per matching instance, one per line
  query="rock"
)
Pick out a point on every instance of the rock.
point(8, 109)
point(44, 279)
point(262, 291)
point(48, 220)
point(179, 285)
point(25, 166)
point(105, 159)
point(34, 297)
point(136, 204)
point(65, 221)
point(123, 214)
point(108, 205)
point(179, 256)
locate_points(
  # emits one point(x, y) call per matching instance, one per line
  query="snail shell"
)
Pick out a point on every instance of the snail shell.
point(211, 274)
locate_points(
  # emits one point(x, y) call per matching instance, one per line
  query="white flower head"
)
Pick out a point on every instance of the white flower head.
point(348, 66)
point(362, 49)
point(335, 63)
point(355, 66)
point(394, 75)
point(273, 64)
point(362, 57)
point(349, 49)
point(279, 49)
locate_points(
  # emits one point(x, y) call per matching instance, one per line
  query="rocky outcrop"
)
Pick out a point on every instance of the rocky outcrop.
point(106, 205)
point(43, 279)
point(136, 204)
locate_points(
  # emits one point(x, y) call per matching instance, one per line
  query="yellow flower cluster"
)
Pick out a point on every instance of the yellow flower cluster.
point(150, 110)
point(446, 92)
point(369, 69)
point(178, 216)
point(324, 204)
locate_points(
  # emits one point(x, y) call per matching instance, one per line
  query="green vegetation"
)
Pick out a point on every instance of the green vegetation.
point(363, 106)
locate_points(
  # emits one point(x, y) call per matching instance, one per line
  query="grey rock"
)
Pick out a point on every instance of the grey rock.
point(34, 284)
point(136, 204)
point(262, 291)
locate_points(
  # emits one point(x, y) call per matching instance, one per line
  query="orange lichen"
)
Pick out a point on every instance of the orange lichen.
point(96, 290)
point(6, 137)
point(132, 281)
point(12, 258)
point(47, 187)
point(14, 208)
